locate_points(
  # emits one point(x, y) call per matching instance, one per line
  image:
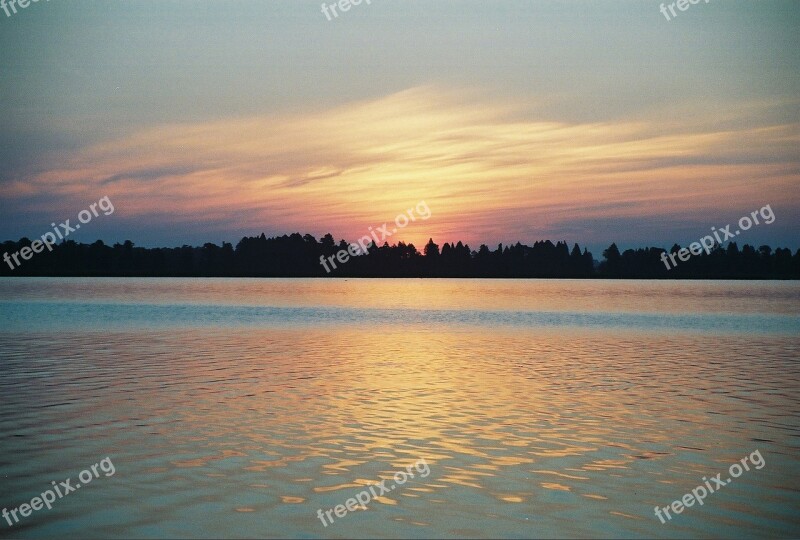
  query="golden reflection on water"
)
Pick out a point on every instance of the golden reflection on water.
point(517, 426)
point(549, 295)
point(327, 413)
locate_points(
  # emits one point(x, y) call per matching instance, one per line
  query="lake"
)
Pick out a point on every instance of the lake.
point(542, 408)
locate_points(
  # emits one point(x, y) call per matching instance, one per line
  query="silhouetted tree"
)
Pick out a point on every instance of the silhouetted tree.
point(299, 255)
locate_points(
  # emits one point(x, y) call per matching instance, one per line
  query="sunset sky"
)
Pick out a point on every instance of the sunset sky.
point(586, 121)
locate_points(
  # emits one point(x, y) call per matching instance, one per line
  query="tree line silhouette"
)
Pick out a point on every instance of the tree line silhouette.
point(298, 255)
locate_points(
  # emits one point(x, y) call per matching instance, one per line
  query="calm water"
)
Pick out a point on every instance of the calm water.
point(238, 408)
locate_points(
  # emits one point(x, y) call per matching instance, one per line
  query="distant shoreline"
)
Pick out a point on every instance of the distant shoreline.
point(303, 256)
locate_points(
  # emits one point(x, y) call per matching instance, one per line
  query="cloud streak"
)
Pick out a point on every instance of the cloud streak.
point(489, 170)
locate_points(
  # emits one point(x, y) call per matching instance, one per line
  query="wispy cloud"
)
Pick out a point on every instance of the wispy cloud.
point(148, 174)
point(487, 169)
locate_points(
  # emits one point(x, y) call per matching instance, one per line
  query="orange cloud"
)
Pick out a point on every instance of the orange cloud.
point(484, 169)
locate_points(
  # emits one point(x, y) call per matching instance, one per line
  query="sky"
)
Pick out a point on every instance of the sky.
point(585, 121)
